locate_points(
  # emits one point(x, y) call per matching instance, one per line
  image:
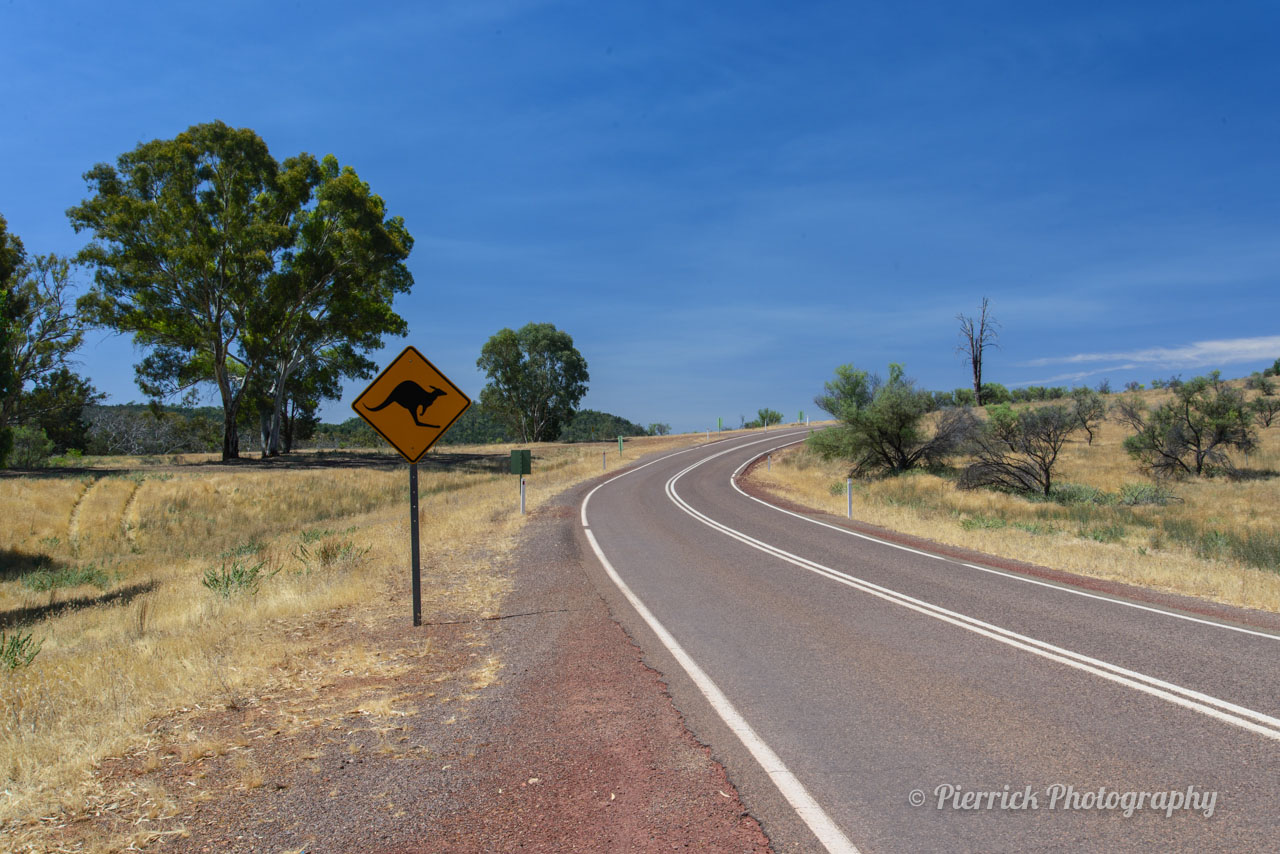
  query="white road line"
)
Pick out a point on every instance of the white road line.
point(1205, 704)
point(660, 459)
point(809, 811)
point(1010, 575)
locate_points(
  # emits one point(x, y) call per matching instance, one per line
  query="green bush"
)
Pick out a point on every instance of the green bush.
point(236, 578)
point(17, 650)
point(31, 448)
point(1079, 493)
point(45, 579)
point(1139, 494)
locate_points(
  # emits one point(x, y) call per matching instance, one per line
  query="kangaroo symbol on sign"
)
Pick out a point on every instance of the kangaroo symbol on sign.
point(414, 398)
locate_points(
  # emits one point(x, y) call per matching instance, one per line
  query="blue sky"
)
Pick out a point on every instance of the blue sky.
point(722, 202)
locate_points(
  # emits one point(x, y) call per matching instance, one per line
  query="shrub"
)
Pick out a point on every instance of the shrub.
point(1265, 410)
point(1089, 409)
point(1079, 493)
point(31, 448)
point(1261, 383)
point(44, 579)
point(18, 650)
point(1140, 494)
point(1018, 451)
point(880, 430)
point(1191, 433)
point(236, 578)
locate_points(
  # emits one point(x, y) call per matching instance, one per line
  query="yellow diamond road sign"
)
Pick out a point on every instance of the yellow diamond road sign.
point(411, 404)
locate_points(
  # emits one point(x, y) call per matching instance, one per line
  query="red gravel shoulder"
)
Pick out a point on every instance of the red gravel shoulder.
point(575, 747)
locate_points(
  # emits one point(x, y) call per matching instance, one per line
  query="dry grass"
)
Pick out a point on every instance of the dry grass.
point(107, 572)
point(1217, 538)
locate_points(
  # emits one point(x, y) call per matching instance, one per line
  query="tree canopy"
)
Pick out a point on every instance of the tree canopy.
point(880, 428)
point(536, 378)
point(1190, 434)
point(226, 264)
point(11, 257)
point(1018, 450)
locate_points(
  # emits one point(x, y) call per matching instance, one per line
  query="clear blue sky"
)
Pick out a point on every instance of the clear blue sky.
point(722, 202)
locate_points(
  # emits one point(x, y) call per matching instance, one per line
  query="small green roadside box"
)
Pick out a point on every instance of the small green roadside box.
point(522, 462)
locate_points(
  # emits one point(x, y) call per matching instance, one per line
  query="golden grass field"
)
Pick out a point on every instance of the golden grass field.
point(1217, 538)
point(105, 567)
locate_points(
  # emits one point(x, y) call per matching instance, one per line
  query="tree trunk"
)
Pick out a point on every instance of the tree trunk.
point(283, 369)
point(230, 410)
point(264, 432)
point(230, 435)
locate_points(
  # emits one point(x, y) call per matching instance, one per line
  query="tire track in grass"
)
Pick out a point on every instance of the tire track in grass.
point(73, 521)
point(127, 526)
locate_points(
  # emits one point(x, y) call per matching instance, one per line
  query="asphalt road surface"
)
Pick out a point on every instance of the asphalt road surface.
point(869, 697)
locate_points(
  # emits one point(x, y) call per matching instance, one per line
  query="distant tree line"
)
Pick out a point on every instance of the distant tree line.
point(882, 428)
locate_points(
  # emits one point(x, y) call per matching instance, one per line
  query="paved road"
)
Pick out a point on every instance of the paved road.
point(840, 679)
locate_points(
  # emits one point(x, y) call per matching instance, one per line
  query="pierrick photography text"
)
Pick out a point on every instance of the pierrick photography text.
point(1067, 798)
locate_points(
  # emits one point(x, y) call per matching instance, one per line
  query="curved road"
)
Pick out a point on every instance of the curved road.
point(869, 697)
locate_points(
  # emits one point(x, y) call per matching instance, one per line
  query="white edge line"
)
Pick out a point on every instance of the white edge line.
point(1010, 575)
point(809, 811)
point(832, 838)
point(1243, 717)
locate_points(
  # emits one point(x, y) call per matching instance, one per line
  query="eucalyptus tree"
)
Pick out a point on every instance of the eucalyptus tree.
point(11, 258)
point(45, 332)
point(332, 299)
point(536, 378)
point(225, 264)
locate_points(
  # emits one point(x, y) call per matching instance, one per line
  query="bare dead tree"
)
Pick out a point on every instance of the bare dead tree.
point(976, 335)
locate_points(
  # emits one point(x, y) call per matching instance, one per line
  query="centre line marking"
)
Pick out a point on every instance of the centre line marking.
point(1213, 707)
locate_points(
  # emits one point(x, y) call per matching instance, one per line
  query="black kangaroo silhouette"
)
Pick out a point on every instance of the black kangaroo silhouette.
point(412, 397)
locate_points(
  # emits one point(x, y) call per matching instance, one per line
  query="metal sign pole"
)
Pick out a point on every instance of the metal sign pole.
point(413, 543)
point(521, 495)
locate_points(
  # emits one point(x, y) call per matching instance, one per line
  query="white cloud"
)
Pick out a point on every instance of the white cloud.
point(1194, 355)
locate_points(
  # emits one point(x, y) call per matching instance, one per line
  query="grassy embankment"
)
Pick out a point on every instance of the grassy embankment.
point(106, 571)
point(1215, 538)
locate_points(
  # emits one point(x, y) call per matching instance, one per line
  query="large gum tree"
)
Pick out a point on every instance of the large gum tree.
point(226, 265)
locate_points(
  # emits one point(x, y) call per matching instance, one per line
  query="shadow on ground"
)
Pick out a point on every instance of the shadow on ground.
point(33, 613)
point(289, 462)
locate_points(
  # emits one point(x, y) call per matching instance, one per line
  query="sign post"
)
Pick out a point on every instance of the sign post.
point(521, 464)
point(413, 544)
point(407, 391)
